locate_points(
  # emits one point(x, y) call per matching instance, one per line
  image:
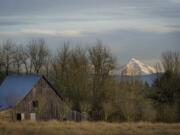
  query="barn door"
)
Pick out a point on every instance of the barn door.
point(20, 116)
point(33, 116)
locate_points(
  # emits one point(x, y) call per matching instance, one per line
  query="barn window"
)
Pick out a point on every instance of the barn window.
point(35, 104)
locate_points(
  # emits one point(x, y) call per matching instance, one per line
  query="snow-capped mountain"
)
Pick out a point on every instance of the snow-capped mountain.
point(136, 67)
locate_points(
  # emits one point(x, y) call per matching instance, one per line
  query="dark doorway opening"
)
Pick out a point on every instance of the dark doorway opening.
point(18, 116)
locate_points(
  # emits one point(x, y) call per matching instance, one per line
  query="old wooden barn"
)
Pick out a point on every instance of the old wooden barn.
point(32, 97)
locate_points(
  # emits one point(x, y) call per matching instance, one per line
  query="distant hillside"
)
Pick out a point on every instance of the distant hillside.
point(149, 79)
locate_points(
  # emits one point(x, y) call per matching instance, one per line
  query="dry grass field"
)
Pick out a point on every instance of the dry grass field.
point(87, 128)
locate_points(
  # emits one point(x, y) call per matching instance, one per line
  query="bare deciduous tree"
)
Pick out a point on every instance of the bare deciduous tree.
point(1, 59)
point(18, 58)
point(102, 63)
point(48, 64)
point(25, 59)
point(171, 61)
point(79, 69)
point(60, 66)
point(8, 52)
point(37, 51)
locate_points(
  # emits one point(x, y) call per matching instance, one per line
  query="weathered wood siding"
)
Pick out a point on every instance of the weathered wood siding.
point(6, 115)
point(50, 105)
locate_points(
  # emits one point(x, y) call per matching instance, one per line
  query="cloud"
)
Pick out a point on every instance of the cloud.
point(85, 15)
point(142, 25)
point(12, 22)
point(176, 1)
point(66, 33)
point(175, 26)
point(71, 7)
point(88, 28)
point(7, 33)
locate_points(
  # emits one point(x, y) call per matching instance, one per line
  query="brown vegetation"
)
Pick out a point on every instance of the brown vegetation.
point(87, 128)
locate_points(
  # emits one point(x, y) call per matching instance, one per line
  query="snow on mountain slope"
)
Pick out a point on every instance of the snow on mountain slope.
point(136, 67)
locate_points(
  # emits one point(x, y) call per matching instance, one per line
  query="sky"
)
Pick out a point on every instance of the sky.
point(140, 29)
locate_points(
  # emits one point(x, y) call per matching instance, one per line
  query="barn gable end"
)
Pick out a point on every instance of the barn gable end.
point(43, 103)
point(32, 97)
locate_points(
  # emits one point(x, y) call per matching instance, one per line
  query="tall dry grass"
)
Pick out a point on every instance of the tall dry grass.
point(87, 128)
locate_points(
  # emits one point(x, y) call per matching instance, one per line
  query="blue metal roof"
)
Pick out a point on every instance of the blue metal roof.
point(15, 88)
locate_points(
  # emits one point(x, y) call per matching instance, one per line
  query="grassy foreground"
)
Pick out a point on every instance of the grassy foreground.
point(87, 128)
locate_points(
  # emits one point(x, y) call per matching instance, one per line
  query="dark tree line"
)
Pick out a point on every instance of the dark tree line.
point(166, 92)
point(83, 76)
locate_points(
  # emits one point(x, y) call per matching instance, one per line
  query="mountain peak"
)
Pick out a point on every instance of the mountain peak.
point(133, 59)
point(136, 67)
